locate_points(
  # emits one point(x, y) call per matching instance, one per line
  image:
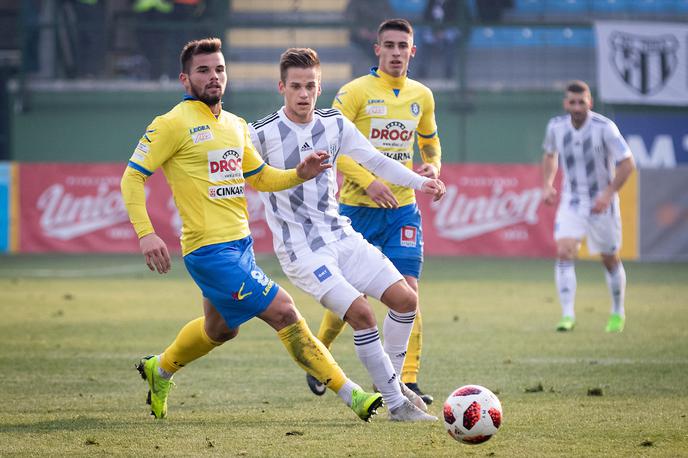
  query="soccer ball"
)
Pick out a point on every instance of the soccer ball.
point(472, 414)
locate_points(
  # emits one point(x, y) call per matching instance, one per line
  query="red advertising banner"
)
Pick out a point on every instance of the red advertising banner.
point(78, 208)
point(489, 210)
point(492, 210)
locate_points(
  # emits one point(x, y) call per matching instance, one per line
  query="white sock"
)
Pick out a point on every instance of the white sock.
point(345, 392)
point(616, 281)
point(565, 277)
point(372, 355)
point(162, 372)
point(396, 330)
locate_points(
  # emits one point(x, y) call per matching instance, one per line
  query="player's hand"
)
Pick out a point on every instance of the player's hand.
point(549, 195)
point(428, 171)
point(436, 188)
point(602, 202)
point(155, 251)
point(381, 194)
point(313, 165)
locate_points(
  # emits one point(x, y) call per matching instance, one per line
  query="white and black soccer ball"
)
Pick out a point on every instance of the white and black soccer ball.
point(472, 414)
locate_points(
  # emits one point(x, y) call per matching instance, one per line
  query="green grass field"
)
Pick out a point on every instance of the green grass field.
point(71, 329)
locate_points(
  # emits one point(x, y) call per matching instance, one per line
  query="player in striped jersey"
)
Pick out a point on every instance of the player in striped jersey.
point(317, 247)
point(392, 111)
point(207, 157)
point(596, 162)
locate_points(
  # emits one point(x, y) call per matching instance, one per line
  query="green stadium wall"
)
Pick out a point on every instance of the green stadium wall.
point(104, 126)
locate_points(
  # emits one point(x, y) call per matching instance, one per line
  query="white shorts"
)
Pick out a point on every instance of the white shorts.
point(348, 268)
point(602, 231)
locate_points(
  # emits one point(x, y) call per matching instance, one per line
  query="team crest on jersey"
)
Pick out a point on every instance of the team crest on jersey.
point(408, 236)
point(415, 109)
point(224, 164)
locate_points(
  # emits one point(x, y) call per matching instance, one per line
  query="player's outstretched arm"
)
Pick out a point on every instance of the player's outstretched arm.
point(435, 188)
point(271, 179)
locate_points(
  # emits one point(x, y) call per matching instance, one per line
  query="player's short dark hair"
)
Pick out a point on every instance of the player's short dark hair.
point(195, 47)
point(299, 58)
point(401, 25)
point(578, 87)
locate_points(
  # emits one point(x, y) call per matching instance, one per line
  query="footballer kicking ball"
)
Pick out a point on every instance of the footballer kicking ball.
point(472, 414)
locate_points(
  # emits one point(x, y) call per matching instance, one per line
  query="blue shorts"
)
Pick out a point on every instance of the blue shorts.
point(229, 277)
point(396, 232)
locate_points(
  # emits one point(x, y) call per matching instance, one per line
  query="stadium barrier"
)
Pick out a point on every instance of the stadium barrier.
point(489, 210)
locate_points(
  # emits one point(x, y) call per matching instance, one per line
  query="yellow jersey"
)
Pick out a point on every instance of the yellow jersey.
point(391, 112)
point(205, 160)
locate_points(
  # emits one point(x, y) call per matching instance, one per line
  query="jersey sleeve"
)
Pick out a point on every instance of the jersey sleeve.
point(427, 126)
point(253, 135)
point(615, 143)
point(548, 144)
point(346, 100)
point(251, 163)
point(159, 142)
point(428, 139)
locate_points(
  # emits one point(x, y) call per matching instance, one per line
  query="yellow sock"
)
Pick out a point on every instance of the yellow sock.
point(409, 373)
point(191, 343)
point(311, 355)
point(330, 327)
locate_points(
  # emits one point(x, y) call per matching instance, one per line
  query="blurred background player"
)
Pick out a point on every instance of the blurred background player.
point(207, 156)
point(391, 110)
point(318, 249)
point(596, 162)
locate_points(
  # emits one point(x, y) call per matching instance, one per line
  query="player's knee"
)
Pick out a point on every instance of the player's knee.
point(360, 315)
point(566, 252)
point(403, 299)
point(222, 335)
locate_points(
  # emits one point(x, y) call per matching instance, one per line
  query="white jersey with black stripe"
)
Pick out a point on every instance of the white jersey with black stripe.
point(587, 156)
point(306, 217)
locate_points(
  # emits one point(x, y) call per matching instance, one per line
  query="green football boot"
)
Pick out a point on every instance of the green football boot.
point(566, 324)
point(364, 404)
point(616, 323)
point(159, 387)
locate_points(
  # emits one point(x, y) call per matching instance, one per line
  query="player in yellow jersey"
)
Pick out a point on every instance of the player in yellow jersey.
point(392, 110)
point(207, 156)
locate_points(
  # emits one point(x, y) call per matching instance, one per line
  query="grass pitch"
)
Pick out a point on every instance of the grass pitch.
point(71, 329)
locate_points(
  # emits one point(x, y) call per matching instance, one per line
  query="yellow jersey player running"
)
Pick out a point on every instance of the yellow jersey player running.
point(391, 110)
point(207, 156)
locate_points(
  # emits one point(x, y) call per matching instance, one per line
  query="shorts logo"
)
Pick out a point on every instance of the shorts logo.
point(322, 273)
point(224, 164)
point(263, 280)
point(239, 295)
point(415, 109)
point(408, 236)
point(376, 110)
point(226, 192)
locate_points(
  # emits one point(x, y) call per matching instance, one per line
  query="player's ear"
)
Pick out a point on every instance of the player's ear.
point(413, 51)
point(184, 79)
point(280, 87)
point(377, 49)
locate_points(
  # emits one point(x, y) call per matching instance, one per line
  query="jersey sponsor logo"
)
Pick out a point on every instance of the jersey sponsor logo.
point(415, 109)
point(376, 110)
point(306, 147)
point(322, 273)
point(408, 236)
point(386, 133)
point(143, 148)
point(226, 192)
point(401, 156)
point(137, 157)
point(240, 295)
point(224, 164)
point(371, 101)
point(202, 136)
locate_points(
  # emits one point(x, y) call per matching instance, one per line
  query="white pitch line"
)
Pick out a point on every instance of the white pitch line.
point(72, 273)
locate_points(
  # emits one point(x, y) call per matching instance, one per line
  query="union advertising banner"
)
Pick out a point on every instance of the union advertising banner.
point(77, 208)
point(491, 210)
point(642, 62)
